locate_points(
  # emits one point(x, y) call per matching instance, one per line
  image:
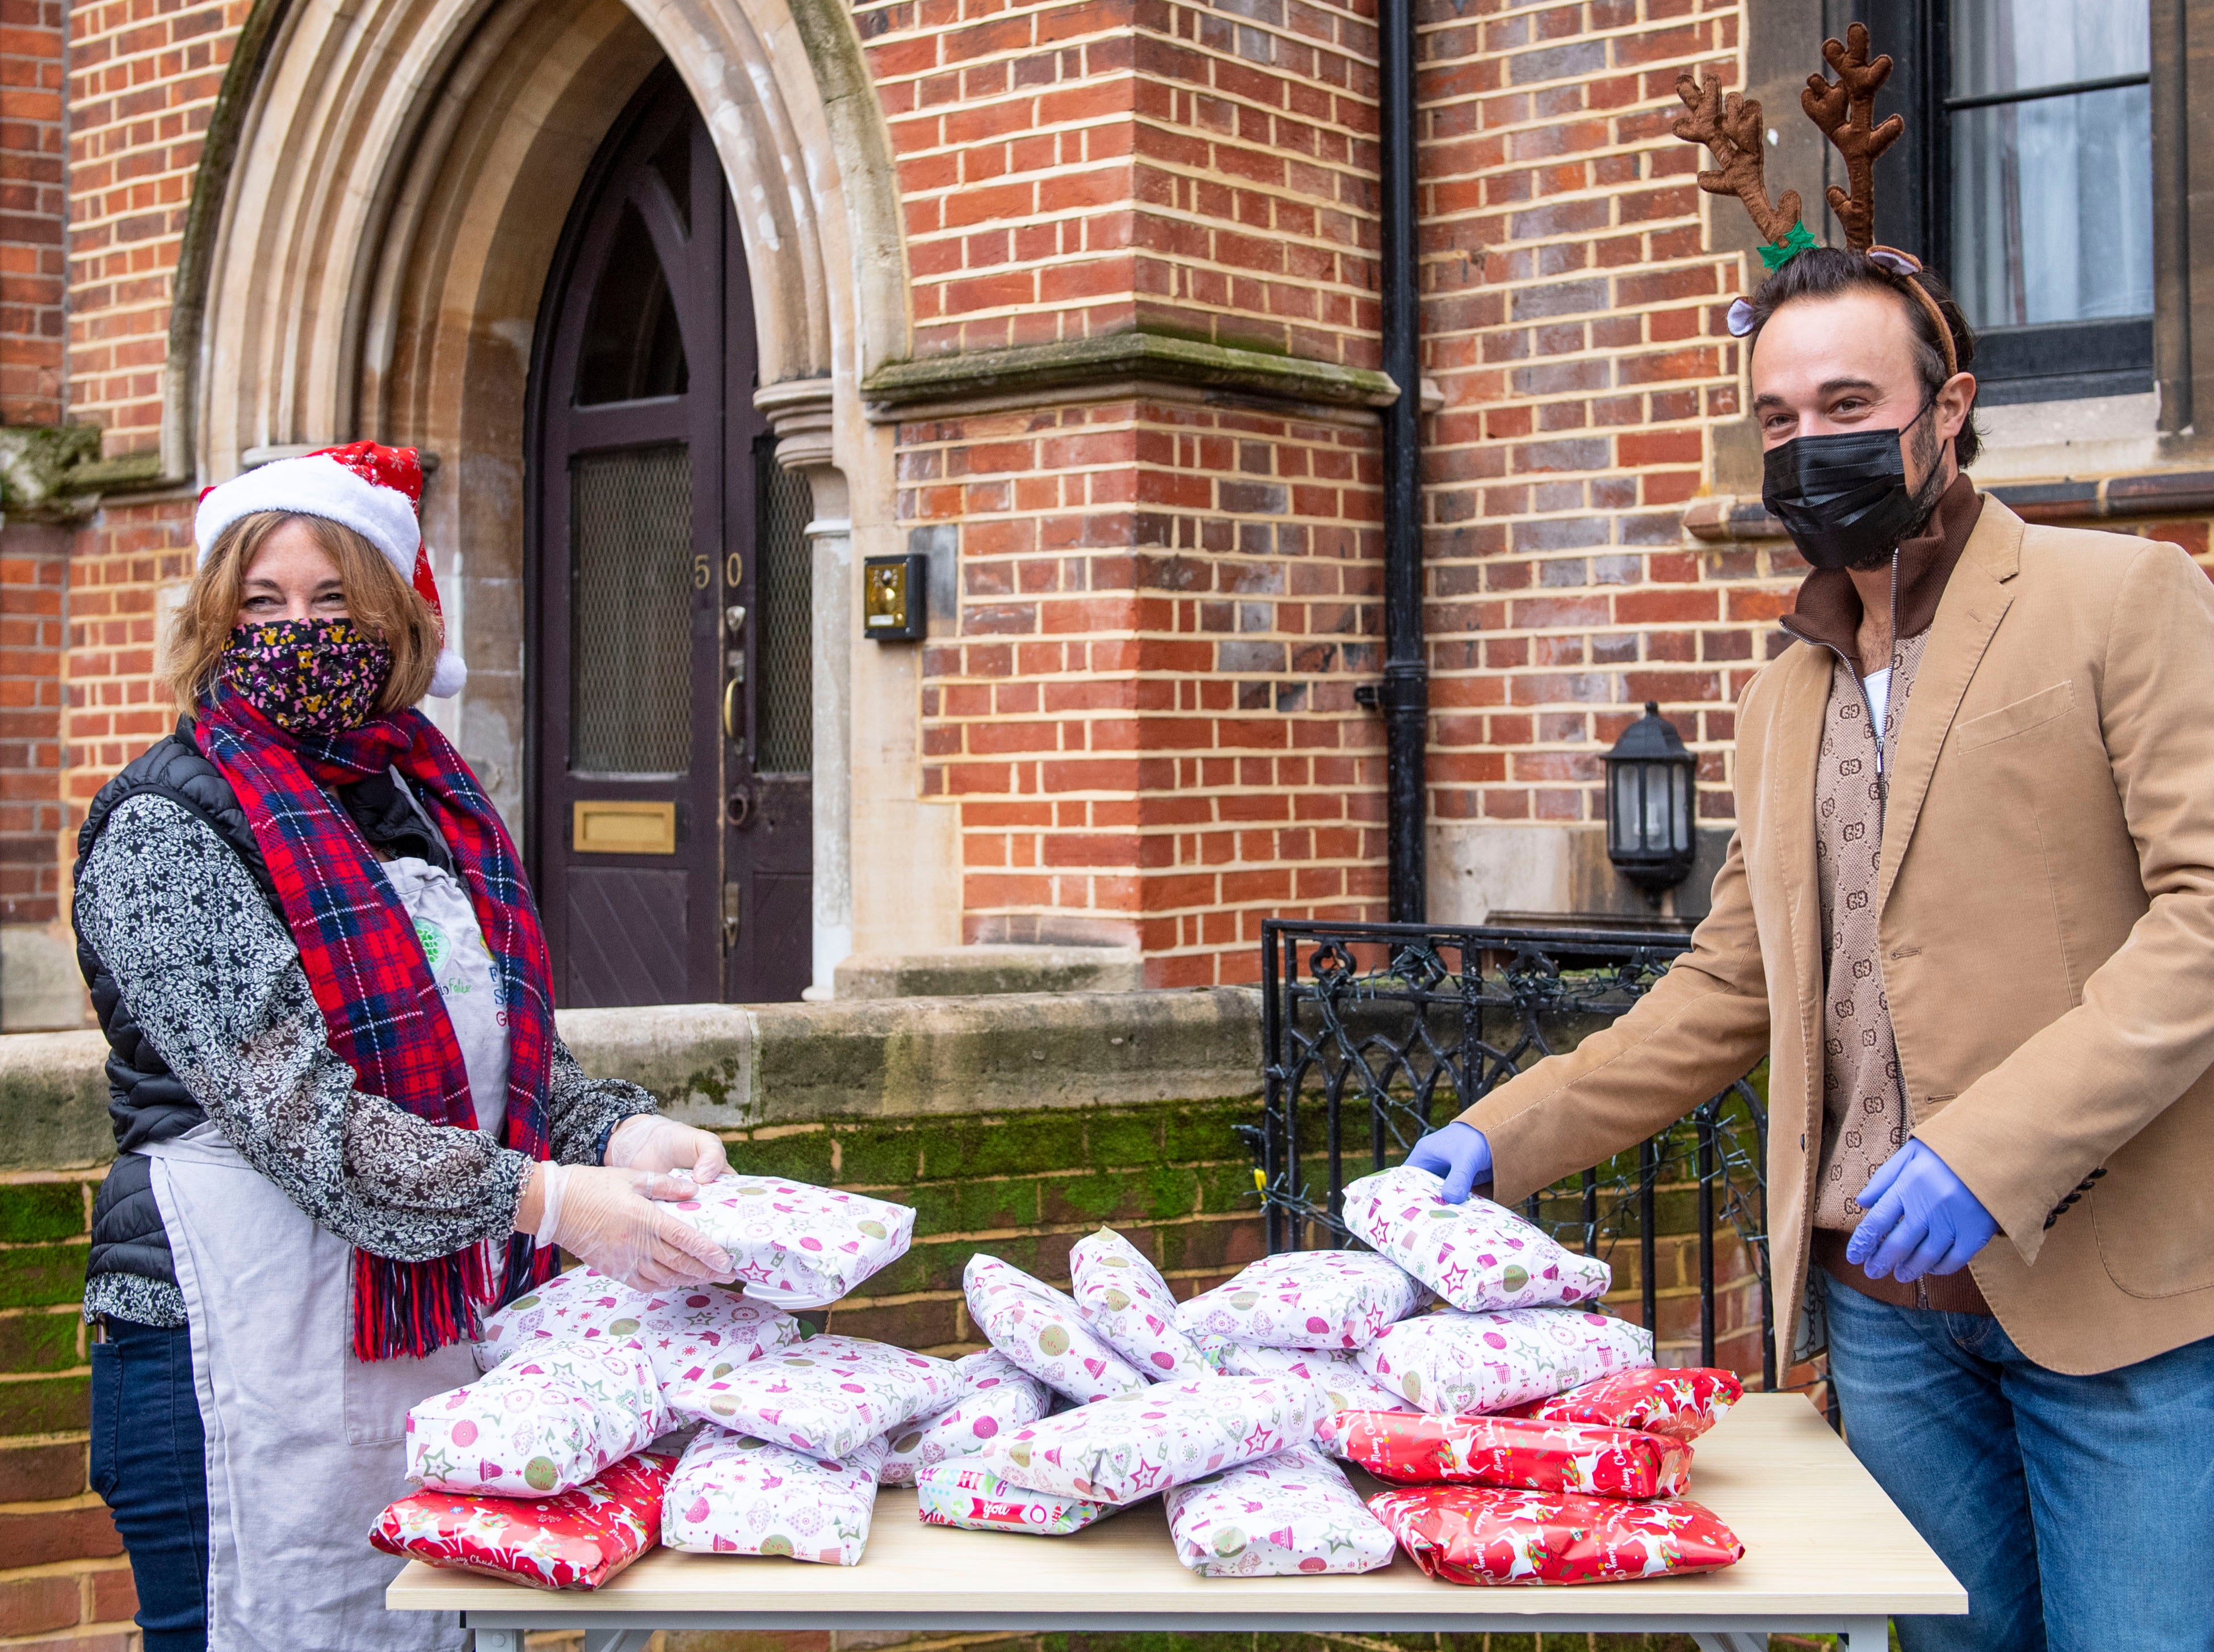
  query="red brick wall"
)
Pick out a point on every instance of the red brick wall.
point(31, 212)
point(1146, 714)
point(1076, 169)
point(115, 711)
point(143, 75)
point(34, 569)
point(1573, 317)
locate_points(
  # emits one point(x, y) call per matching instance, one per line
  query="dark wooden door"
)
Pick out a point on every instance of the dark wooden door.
point(670, 594)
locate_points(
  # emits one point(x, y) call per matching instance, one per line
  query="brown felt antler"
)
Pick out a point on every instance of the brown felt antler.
point(1731, 127)
point(1842, 108)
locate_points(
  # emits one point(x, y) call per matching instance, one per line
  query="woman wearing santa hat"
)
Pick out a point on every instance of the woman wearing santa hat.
point(344, 1122)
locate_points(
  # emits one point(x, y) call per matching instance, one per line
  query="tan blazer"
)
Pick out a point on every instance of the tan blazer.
point(2047, 933)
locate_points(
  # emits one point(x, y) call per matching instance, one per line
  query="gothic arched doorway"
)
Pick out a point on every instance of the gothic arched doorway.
point(670, 596)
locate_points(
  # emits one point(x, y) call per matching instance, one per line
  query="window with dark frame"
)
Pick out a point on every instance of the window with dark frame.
point(2027, 180)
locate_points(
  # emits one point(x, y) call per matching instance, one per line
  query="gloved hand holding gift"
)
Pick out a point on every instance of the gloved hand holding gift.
point(794, 1244)
point(624, 1222)
point(652, 1141)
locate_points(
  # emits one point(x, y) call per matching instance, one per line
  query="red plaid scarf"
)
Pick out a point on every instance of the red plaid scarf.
point(374, 985)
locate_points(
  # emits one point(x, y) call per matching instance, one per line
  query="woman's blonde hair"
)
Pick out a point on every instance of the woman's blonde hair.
point(377, 599)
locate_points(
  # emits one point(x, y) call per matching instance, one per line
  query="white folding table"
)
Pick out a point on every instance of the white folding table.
point(1826, 1552)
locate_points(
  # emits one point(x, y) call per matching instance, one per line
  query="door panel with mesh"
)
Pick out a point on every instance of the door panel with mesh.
point(630, 619)
point(784, 683)
point(670, 828)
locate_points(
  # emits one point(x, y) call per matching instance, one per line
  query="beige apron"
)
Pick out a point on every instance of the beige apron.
point(304, 1442)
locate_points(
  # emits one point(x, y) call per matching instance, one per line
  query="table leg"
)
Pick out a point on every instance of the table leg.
point(1865, 1635)
point(614, 1640)
point(1731, 1640)
point(499, 1640)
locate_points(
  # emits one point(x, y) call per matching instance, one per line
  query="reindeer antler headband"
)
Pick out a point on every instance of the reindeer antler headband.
point(1731, 127)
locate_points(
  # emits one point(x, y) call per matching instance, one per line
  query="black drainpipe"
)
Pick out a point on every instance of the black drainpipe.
point(1405, 696)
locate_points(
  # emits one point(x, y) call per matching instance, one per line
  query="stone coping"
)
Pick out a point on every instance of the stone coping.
point(746, 1066)
point(908, 388)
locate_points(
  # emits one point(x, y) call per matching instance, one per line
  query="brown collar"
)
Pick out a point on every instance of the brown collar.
point(1828, 611)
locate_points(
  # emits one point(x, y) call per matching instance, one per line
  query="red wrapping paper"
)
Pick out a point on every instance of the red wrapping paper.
point(1682, 1405)
point(577, 1540)
point(1407, 1447)
point(1481, 1535)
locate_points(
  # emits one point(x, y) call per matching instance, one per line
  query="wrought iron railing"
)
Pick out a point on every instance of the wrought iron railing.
point(1398, 1027)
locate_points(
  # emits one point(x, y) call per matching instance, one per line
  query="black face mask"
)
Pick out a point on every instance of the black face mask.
point(1844, 499)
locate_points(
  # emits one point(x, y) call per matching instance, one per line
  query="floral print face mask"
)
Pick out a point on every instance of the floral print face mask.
point(307, 676)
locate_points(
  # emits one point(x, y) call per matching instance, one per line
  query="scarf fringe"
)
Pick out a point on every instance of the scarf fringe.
point(411, 1309)
point(408, 1310)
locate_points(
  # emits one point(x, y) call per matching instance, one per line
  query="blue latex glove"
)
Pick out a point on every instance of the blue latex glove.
point(1921, 1219)
point(1459, 1153)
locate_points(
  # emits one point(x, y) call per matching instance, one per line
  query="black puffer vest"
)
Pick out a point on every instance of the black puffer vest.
point(146, 1102)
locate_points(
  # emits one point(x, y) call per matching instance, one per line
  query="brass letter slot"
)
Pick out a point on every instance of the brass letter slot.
point(611, 827)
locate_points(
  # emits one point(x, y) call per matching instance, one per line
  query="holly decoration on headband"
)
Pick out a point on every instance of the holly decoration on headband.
point(1777, 254)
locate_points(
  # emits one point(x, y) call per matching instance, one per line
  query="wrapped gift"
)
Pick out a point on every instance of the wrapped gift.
point(1123, 1297)
point(1119, 1450)
point(827, 1396)
point(1408, 1447)
point(1454, 1361)
point(1477, 1256)
point(1682, 1405)
point(997, 1395)
point(735, 1494)
point(545, 1423)
point(685, 1333)
point(1043, 1331)
point(573, 1540)
point(1293, 1513)
point(796, 1246)
point(977, 1499)
point(1306, 1299)
point(1335, 1373)
point(1481, 1535)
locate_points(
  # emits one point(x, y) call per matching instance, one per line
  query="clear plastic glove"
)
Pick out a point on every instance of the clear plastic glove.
point(607, 1219)
point(1921, 1219)
point(1459, 1153)
point(650, 1142)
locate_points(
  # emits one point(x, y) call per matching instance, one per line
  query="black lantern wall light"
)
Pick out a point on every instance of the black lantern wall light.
point(1650, 819)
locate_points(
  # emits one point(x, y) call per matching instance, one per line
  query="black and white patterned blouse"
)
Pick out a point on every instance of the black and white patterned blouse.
point(211, 975)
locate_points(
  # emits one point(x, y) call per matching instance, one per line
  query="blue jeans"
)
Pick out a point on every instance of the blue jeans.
point(149, 1466)
point(2078, 1511)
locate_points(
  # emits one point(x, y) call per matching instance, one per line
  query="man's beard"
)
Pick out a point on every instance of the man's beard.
point(1927, 451)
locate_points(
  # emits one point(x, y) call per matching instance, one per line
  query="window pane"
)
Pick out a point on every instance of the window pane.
point(2052, 209)
point(633, 347)
point(630, 708)
point(2005, 46)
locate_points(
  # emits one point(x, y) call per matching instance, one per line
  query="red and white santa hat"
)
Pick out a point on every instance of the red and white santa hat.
point(376, 491)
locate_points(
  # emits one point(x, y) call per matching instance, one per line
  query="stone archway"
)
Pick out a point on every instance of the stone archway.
point(401, 174)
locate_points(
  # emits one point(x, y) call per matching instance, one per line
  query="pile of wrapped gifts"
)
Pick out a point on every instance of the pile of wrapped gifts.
point(1522, 1436)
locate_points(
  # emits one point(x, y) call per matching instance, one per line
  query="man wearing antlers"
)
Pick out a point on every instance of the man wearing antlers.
point(1968, 914)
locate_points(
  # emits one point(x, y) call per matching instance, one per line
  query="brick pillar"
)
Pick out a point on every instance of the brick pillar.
point(1146, 714)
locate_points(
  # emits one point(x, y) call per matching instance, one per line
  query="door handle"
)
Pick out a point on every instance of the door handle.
point(733, 912)
point(731, 710)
